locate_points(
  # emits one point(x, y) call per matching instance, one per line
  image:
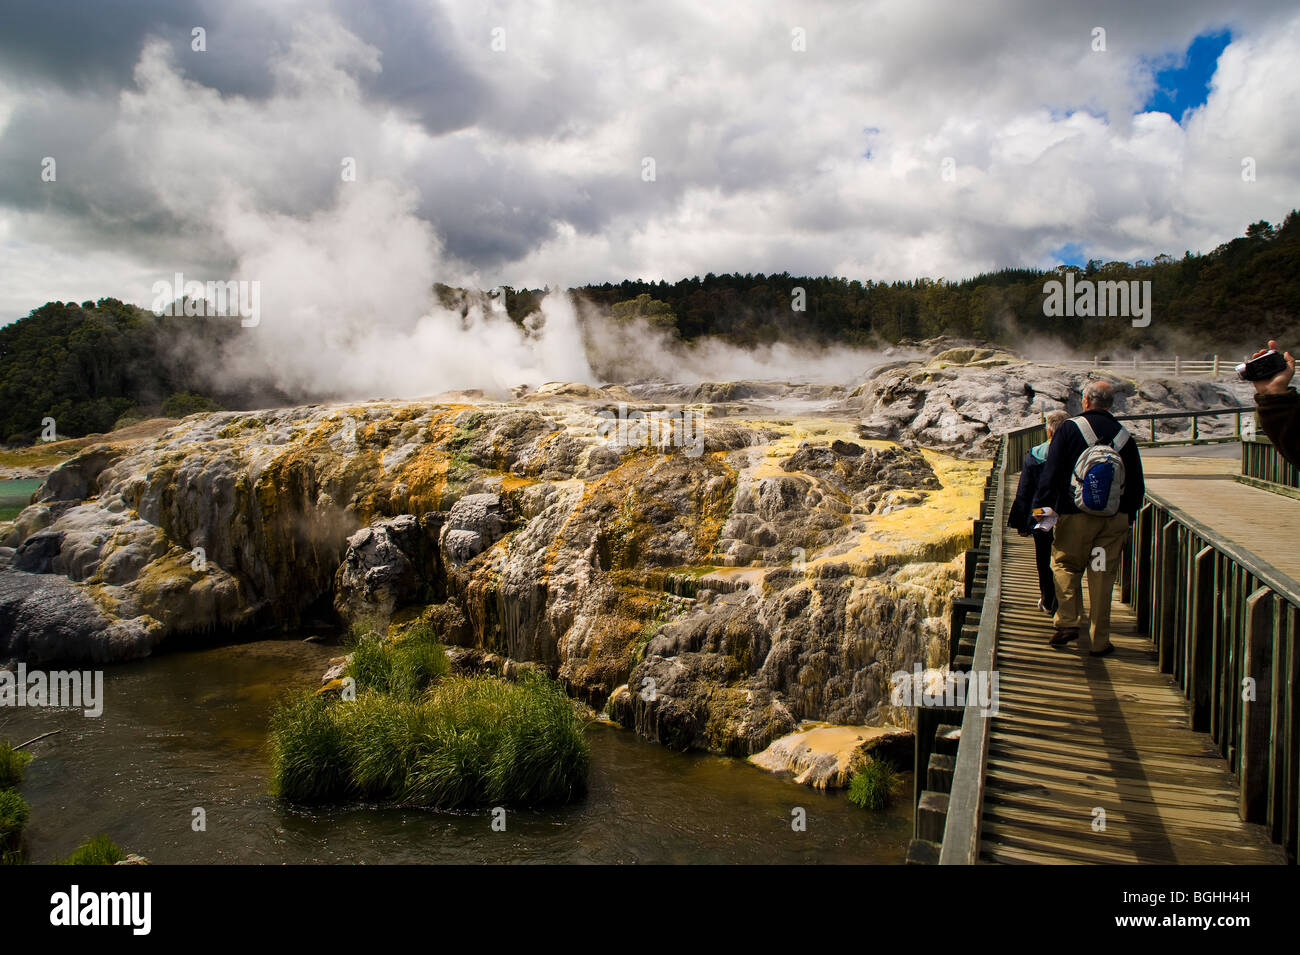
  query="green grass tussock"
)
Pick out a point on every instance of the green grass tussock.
point(99, 850)
point(404, 666)
point(12, 763)
point(875, 785)
point(14, 813)
point(462, 742)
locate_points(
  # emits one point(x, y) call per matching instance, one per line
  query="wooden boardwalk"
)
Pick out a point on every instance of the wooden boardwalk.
point(1258, 521)
point(1077, 734)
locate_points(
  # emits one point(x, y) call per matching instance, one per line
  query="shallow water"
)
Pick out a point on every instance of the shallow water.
point(16, 495)
point(188, 729)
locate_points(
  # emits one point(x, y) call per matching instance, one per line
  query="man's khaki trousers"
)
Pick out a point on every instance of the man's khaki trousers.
point(1086, 542)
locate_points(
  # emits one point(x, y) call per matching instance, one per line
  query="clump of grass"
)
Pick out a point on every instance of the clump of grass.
point(405, 666)
point(467, 741)
point(875, 785)
point(308, 762)
point(99, 850)
point(12, 763)
point(498, 742)
point(14, 813)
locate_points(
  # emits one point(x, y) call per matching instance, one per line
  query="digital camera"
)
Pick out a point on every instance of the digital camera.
point(1262, 368)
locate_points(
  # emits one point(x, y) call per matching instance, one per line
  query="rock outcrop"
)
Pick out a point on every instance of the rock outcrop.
point(385, 566)
point(825, 757)
point(712, 596)
point(750, 582)
point(961, 398)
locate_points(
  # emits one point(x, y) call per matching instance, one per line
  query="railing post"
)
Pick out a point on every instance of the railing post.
point(1216, 368)
point(1257, 696)
point(1144, 575)
point(1286, 727)
point(1177, 366)
point(1200, 659)
point(1166, 594)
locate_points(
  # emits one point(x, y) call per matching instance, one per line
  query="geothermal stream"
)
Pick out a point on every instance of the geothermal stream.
point(187, 730)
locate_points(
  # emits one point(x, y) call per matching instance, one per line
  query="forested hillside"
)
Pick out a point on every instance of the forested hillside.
point(89, 365)
point(1241, 292)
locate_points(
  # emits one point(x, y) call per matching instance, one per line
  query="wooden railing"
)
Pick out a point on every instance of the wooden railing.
point(1025, 438)
point(1196, 437)
point(952, 743)
point(1176, 366)
point(1224, 623)
point(1262, 466)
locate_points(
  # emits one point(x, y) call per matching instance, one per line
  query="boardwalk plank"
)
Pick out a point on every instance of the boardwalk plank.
point(1074, 732)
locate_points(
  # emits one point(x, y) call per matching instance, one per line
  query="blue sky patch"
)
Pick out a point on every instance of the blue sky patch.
point(1186, 84)
point(1072, 253)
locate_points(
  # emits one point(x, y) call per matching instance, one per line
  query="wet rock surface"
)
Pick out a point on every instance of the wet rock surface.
point(825, 757)
point(382, 569)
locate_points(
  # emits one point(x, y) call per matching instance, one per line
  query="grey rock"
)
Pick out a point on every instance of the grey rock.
point(474, 523)
point(378, 573)
point(36, 554)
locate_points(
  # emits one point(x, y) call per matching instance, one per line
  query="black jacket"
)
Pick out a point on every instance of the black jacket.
point(1021, 517)
point(1068, 443)
point(1279, 416)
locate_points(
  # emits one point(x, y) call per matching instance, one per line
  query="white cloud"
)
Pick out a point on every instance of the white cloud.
point(759, 152)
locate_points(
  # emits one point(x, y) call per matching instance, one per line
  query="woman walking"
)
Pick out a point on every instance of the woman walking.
point(1022, 514)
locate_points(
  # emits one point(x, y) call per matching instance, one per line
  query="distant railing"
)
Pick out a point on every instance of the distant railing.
point(1195, 416)
point(1019, 442)
point(1224, 624)
point(1175, 366)
point(1262, 466)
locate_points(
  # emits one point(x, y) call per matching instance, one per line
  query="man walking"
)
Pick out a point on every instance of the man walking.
point(1091, 488)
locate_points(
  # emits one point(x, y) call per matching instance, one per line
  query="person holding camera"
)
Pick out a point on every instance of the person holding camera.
point(1278, 407)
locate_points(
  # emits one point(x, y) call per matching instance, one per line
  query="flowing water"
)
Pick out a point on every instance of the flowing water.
point(187, 730)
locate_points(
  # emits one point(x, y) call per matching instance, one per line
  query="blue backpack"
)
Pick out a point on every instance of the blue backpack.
point(1097, 483)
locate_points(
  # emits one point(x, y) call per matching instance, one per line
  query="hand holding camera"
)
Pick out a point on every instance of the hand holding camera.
point(1268, 370)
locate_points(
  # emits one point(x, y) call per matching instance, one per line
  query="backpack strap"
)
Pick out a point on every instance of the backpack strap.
point(1085, 429)
point(1121, 437)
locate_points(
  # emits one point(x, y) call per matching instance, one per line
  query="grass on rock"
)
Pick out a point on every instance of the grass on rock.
point(12, 763)
point(404, 666)
point(415, 735)
point(99, 850)
point(14, 812)
point(875, 785)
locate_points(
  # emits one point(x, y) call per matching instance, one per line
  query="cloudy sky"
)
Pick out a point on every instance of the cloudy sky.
point(507, 142)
